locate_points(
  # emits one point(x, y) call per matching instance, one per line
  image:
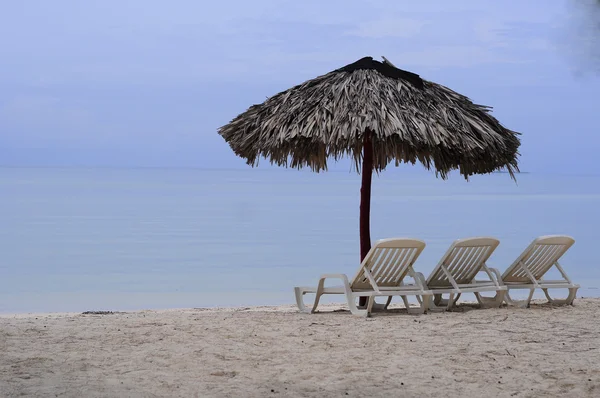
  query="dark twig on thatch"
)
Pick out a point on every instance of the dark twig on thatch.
point(410, 120)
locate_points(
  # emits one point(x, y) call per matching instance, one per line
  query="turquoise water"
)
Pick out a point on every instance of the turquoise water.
point(112, 239)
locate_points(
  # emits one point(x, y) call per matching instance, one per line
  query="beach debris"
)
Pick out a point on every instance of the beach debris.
point(101, 312)
point(222, 373)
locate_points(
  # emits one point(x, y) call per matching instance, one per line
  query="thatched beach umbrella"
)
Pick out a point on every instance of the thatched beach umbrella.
point(377, 114)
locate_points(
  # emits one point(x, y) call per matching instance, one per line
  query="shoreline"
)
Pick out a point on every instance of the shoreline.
point(323, 308)
point(258, 308)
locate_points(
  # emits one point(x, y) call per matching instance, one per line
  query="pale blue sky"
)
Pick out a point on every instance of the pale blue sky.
point(147, 82)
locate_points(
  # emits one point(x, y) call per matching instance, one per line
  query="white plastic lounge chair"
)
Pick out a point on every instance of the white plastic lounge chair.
point(380, 274)
point(455, 274)
point(529, 268)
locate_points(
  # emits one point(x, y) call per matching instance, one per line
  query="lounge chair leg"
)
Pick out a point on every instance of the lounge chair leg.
point(355, 309)
point(491, 302)
point(451, 302)
point(406, 304)
point(361, 310)
point(519, 303)
point(300, 301)
point(439, 301)
point(572, 294)
point(567, 301)
point(424, 304)
point(387, 304)
point(370, 305)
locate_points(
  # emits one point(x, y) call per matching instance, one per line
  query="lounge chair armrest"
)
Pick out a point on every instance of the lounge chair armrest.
point(420, 279)
point(343, 277)
point(496, 273)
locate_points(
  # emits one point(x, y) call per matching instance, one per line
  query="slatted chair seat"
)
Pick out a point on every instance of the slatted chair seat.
point(456, 271)
point(381, 273)
point(528, 270)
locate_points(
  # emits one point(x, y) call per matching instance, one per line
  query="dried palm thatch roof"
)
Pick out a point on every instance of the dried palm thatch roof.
point(409, 119)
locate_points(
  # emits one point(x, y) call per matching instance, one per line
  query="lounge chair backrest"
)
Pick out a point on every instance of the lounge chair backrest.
point(538, 257)
point(388, 262)
point(463, 260)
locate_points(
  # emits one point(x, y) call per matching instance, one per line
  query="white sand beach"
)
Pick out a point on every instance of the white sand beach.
point(276, 351)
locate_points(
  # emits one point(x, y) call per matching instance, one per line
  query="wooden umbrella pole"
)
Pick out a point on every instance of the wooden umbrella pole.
point(365, 200)
point(365, 196)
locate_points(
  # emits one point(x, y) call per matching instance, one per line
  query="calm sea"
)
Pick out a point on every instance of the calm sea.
point(123, 239)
